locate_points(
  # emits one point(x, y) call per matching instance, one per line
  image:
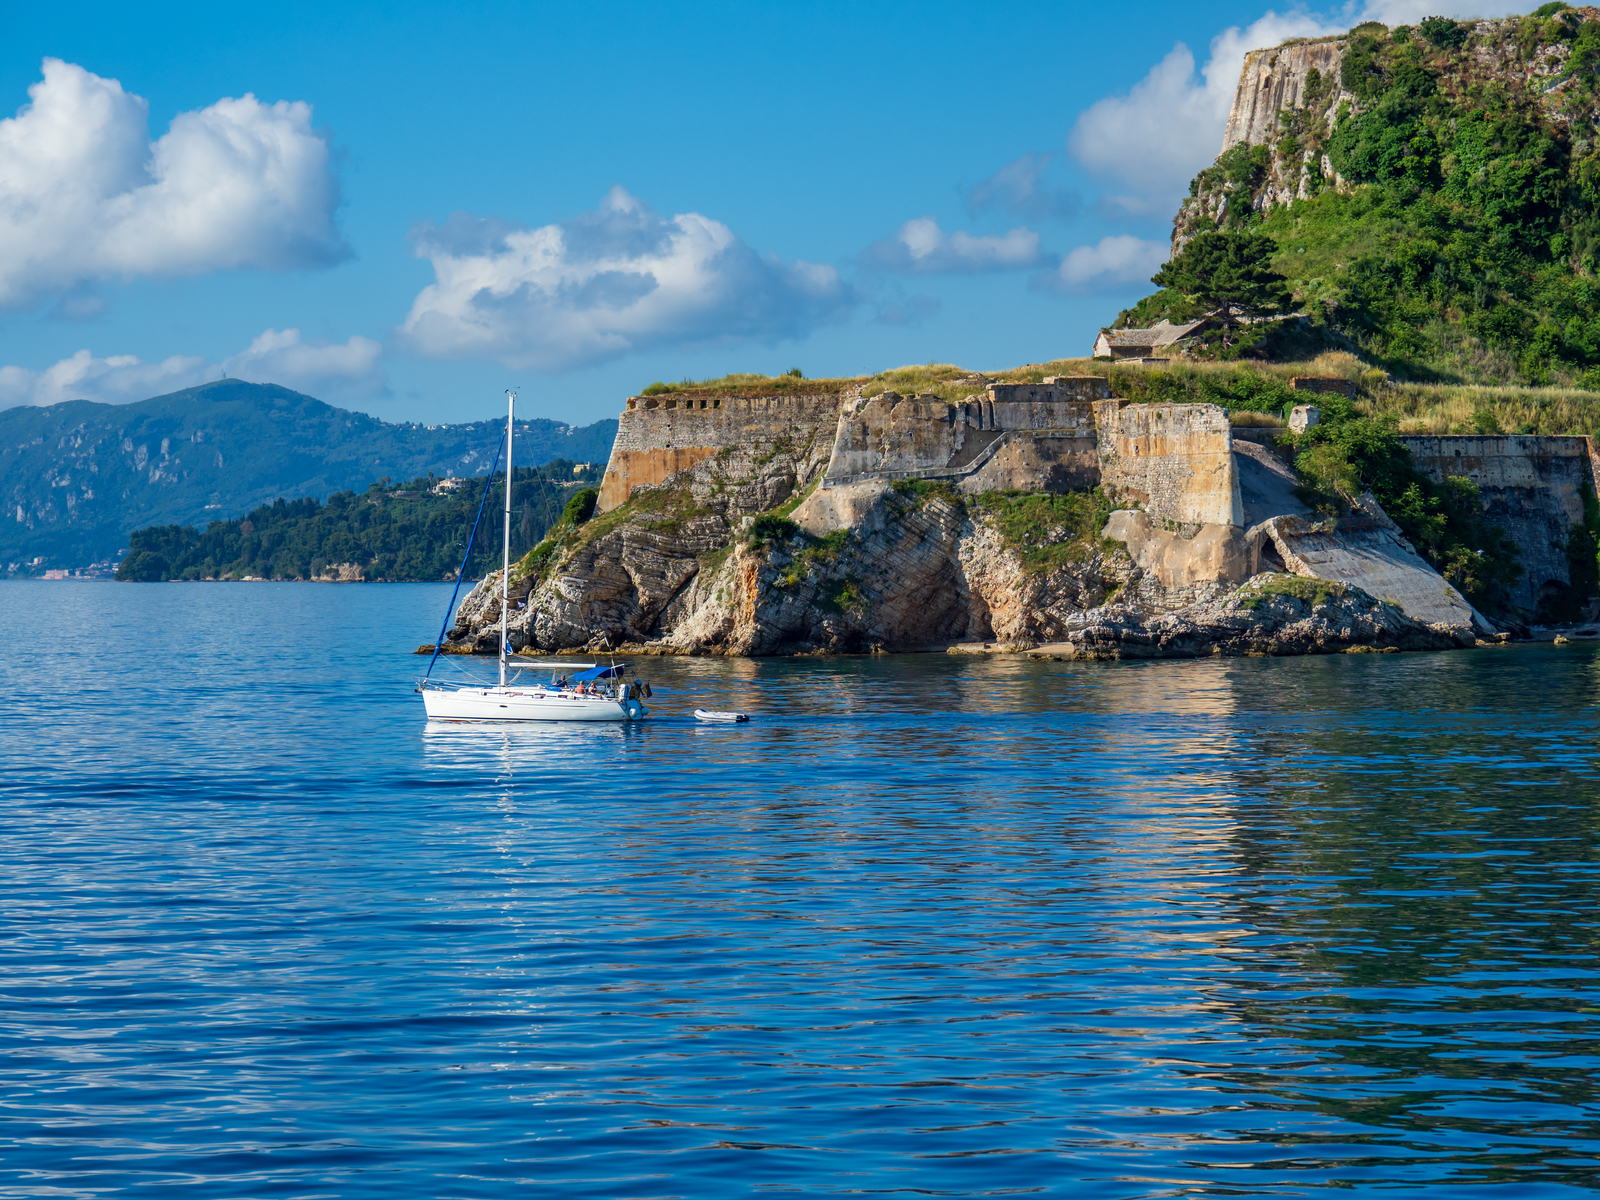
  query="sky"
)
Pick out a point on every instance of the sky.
point(405, 209)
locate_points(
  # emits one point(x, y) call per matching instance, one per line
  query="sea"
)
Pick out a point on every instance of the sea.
point(926, 926)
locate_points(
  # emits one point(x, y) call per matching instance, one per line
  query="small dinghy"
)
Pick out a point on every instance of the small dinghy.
point(706, 714)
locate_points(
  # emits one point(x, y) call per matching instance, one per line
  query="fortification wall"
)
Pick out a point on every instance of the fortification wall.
point(1034, 436)
point(1174, 460)
point(658, 436)
point(1532, 487)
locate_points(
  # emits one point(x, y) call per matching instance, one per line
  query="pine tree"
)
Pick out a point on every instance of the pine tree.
point(1229, 272)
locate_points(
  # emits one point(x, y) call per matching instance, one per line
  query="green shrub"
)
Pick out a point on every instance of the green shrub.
point(920, 491)
point(844, 595)
point(1447, 34)
point(769, 527)
point(1049, 530)
point(1315, 592)
point(580, 508)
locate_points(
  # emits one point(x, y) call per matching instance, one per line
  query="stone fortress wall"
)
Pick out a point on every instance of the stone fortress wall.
point(1029, 437)
point(1174, 461)
point(659, 436)
point(1533, 487)
point(1188, 486)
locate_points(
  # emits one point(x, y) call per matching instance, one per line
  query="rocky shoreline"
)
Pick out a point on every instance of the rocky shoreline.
point(690, 570)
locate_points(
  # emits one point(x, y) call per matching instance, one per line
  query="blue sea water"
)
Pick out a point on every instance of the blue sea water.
point(926, 926)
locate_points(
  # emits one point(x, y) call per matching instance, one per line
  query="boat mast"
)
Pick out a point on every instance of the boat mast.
point(505, 549)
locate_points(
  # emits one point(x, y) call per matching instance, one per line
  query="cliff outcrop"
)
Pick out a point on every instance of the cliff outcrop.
point(1430, 189)
point(1112, 530)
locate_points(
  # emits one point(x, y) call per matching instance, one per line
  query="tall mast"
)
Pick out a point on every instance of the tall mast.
point(505, 550)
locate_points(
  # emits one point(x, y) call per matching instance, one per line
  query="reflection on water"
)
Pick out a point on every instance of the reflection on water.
point(925, 925)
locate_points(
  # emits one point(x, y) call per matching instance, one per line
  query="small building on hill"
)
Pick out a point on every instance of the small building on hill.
point(1143, 343)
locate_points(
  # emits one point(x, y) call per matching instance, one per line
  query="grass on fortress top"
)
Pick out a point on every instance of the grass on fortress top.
point(1248, 387)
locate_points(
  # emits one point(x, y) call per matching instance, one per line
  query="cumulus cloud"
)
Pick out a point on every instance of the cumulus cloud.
point(613, 281)
point(1020, 189)
point(1108, 264)
point(351, 368)
point(85, 194)
point(922, 248)
point(1169, 125)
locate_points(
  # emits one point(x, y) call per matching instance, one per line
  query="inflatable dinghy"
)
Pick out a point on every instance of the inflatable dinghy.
point(705, 714)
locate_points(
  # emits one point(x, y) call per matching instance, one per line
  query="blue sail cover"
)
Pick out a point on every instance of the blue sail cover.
point(599, 673)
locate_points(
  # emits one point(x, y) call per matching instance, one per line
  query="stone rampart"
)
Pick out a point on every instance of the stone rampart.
point(1533, 487)
point(1175, 461)
point(1032, 436)
point(658, 436)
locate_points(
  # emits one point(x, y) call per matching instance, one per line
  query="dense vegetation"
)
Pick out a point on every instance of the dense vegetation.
point(385, 533)
point(1350, 452)
point(1465, 240)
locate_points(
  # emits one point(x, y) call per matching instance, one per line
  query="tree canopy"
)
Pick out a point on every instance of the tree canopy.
point(1230, 272)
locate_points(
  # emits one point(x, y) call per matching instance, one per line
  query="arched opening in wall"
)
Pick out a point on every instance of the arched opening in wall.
point(1559, 604)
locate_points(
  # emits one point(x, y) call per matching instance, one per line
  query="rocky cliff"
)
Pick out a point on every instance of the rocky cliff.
point(884, 536)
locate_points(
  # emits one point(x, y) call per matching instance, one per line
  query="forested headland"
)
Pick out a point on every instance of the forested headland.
point(389, 533)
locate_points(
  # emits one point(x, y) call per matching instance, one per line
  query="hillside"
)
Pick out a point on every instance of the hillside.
point(411, 532)
point(79, 476)
point(1434, 193)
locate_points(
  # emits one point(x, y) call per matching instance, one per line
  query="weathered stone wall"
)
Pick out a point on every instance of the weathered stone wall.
point(1033, 436)
point(1174, 460)
point(1533, 487)
point(658, 436)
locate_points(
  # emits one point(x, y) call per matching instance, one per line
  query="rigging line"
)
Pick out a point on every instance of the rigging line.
point(487, 484)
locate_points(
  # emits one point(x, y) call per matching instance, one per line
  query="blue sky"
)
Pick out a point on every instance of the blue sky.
point(405, 208)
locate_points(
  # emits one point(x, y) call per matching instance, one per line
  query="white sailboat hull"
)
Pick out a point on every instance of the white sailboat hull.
point(525, 704)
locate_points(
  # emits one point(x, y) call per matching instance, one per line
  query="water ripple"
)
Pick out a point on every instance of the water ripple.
point(926, 926)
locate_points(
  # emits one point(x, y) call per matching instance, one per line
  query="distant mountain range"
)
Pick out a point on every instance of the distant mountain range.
point(77, 477)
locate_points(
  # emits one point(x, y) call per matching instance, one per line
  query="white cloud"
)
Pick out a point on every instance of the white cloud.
point(1169, 125)
point(611, 282)
point(349, 368)
point(1110, 263)
point(85, 194)
point(922, 248)
point(1019, 188)
point(279, 356)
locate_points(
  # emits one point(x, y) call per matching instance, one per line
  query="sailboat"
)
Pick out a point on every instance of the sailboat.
point(574, 691)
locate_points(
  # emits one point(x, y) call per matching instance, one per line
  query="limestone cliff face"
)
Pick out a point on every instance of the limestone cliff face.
point(1289, 97)
point(1285, 104)
point(1280, 79)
